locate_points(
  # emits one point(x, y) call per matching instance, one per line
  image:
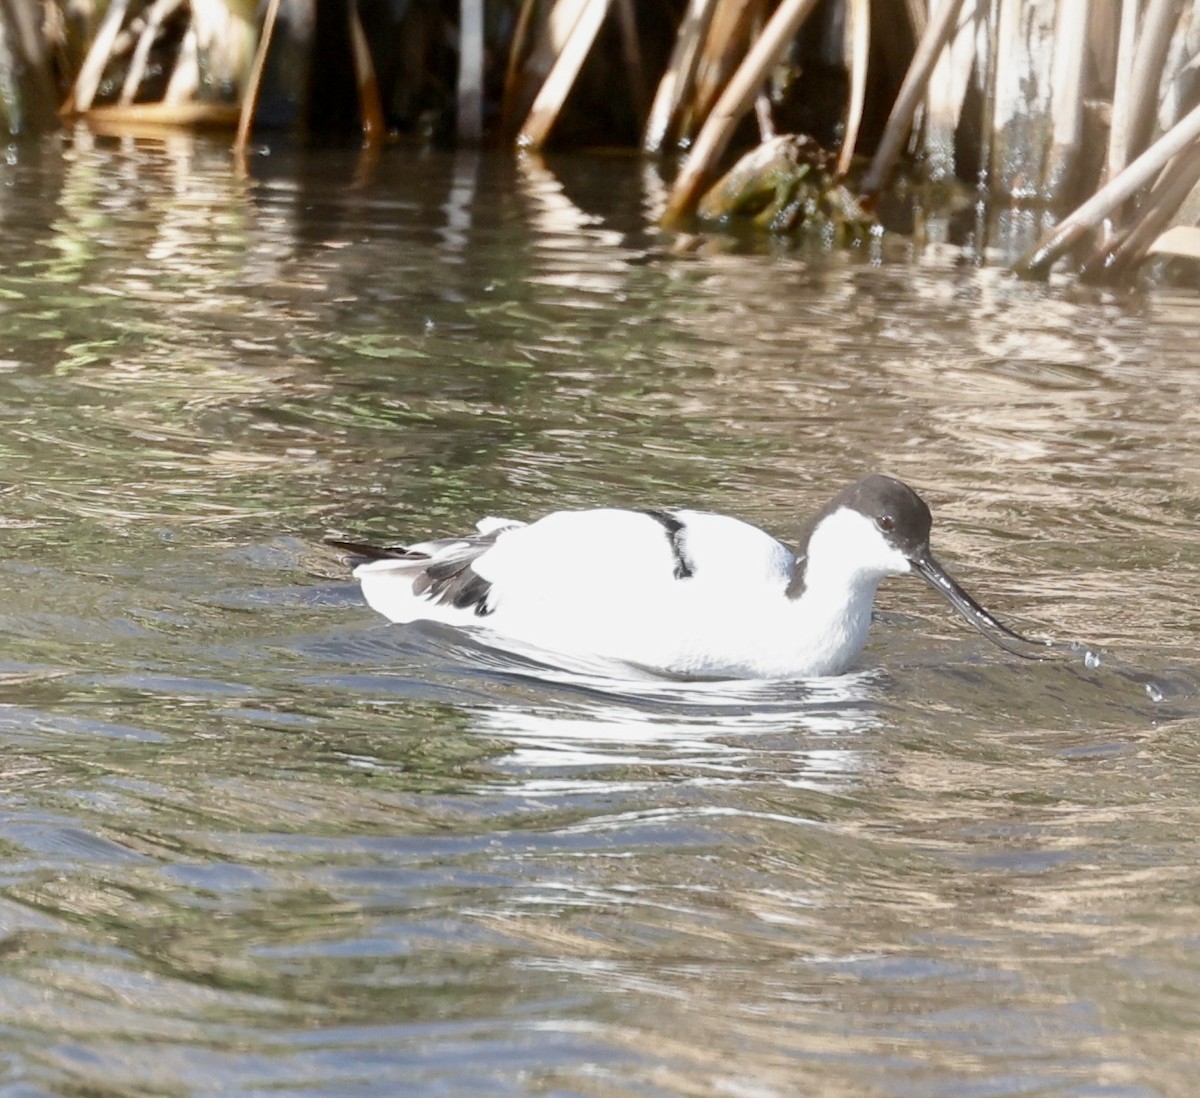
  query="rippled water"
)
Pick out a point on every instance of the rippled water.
point(256, 840)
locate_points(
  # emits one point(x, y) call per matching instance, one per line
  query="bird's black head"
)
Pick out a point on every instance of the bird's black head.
point(899, 513)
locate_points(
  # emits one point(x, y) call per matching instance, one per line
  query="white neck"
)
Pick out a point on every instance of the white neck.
point(846, 558)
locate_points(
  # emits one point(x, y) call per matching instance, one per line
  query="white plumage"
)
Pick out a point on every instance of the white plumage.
point(680, 593)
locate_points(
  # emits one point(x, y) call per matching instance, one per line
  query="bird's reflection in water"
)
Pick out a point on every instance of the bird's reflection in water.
point(569, 729)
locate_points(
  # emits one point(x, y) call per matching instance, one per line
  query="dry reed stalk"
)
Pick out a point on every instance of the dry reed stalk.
point(1039, 260)
point(1104, 34)
point(937, 34)
point(858, 46)
point(1158, 23)
point(733, 26)
point(987, 18)
point(1021, 108)
point(1066, 102)
point(550, 98)
point(159, 11)
point(764, 118)
point(632, 52)
point(1118, 131)
point(531, 68)
point(254, 83)
point(947, 92)
point(27, 26)
point(92, 69)
point(370, 103)
point(512, 71)
point(676, 82)
point(185, 76)
point(918, 16)
point(156, 118)
point(731, 108)
point(1005, 90)
point(1180, 71)
point(470, 71)
point(1162, 203)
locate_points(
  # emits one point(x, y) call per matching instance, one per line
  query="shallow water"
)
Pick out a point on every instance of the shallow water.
point(258, 840)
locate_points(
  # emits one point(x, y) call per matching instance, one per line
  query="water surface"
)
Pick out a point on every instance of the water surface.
point(257, 840)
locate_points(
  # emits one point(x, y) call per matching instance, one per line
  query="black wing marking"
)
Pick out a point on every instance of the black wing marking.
point(441, 570)
point(450, 578)
point(361, 551)
point(674, 526)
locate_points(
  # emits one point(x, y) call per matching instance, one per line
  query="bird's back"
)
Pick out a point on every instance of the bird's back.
point(682, 591)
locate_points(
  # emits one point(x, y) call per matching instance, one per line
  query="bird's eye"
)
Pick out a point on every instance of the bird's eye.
point(886, 523)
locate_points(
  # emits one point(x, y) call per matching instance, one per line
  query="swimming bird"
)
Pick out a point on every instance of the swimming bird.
point(678, 593)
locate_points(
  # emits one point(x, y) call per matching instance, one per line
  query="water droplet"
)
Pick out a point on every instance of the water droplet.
point(1153, 692)
point(1091, 660)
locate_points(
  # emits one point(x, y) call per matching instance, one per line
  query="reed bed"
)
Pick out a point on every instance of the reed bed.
point(1084, 111)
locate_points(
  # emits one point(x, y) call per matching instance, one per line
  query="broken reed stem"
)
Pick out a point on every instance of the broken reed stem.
point(1066, 100)
point(92, 69)
point(1039, 260)
point(254, 83)
point(370, 105)
point(553, 93)
point(1162, 203)
point(1154, 41)
point(680, 74)
point(1118, 131)
point(737, 98)
point(934, 40)
point(137, 66)
point(858, 36)
point(731, 33)
point(512, 71)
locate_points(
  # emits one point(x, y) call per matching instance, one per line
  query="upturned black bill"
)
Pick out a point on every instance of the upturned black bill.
point(998, 633)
